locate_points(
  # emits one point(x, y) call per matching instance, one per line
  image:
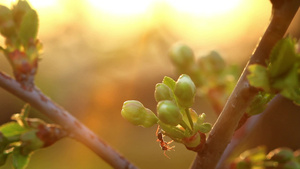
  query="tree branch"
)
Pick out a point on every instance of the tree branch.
point(224, 128)
point(76, 129)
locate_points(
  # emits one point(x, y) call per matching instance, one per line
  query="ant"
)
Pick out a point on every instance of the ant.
point(163, 144)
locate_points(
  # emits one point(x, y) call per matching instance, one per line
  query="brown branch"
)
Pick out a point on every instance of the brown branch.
point(60, 116)
point(223, 130)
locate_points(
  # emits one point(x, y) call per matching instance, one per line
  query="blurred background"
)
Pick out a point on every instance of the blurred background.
point(100, 53)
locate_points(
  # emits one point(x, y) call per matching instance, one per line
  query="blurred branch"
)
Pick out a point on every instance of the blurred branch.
point(75, 128)
point(224, 128)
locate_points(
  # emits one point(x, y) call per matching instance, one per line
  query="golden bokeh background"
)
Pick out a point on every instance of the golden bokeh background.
point(99, 53)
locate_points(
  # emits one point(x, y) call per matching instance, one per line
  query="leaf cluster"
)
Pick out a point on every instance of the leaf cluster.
point(282, 73)
point(23, 136)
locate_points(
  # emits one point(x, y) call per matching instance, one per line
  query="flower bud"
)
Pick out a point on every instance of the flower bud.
point(150, 119)
point(169, 113)
point(135, 112)
point(213, 62)
point(281, 155)
point(7, 25)
point(162, 92)
point(185, 90)
point(182, 56)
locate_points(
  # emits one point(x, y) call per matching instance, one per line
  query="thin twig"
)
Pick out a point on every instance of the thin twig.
point(60, 116)
point(223, 130)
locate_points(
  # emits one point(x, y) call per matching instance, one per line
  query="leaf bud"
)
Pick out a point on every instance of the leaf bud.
point(30, 142)
point(185, 90)
point(204, 128)
point(169, 113)
point(182, 55)
point(162, 92)
point(135, 112)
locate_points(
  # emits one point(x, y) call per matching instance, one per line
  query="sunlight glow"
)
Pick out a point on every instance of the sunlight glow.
point(121, 7)
point(205, 7)
point(43, 3)
point(36, 4)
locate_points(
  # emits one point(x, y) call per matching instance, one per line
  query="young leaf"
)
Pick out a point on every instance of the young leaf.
point(20, 161)
point(29, 26)
point(259, 103)
point(282, 57)
point(169, 82)
point(289, 85)
point(258, 77)
point(12, 129)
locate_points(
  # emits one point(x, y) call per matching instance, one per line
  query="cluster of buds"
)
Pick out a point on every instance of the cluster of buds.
point(25, 135)
point(175, 117)
point(283, 158)
point(19, 27)
point(210, 74)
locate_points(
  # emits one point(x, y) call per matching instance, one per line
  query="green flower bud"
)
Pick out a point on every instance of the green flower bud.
point(185, 90)
point(281, 155)
point(169, 113)
point(182, 56)
point(162, 92)
point(135, 112)
point(5, 14)
point(213, 62)
point(291, 165)
point(150, 119)
point(7, 25)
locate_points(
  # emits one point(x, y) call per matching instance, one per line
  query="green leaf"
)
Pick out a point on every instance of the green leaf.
point(12, 129)
point(20, 161)
point(258, 77)
point(169, 82)
point(29, 26)
point(259, 103)
point(205, 128)
point(282, 57)
point(289, 85)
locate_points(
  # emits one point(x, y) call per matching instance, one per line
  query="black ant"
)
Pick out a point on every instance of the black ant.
point(163, 144)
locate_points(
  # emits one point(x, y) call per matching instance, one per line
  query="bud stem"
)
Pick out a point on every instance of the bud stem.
point(188, 114)
point(186, 127)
